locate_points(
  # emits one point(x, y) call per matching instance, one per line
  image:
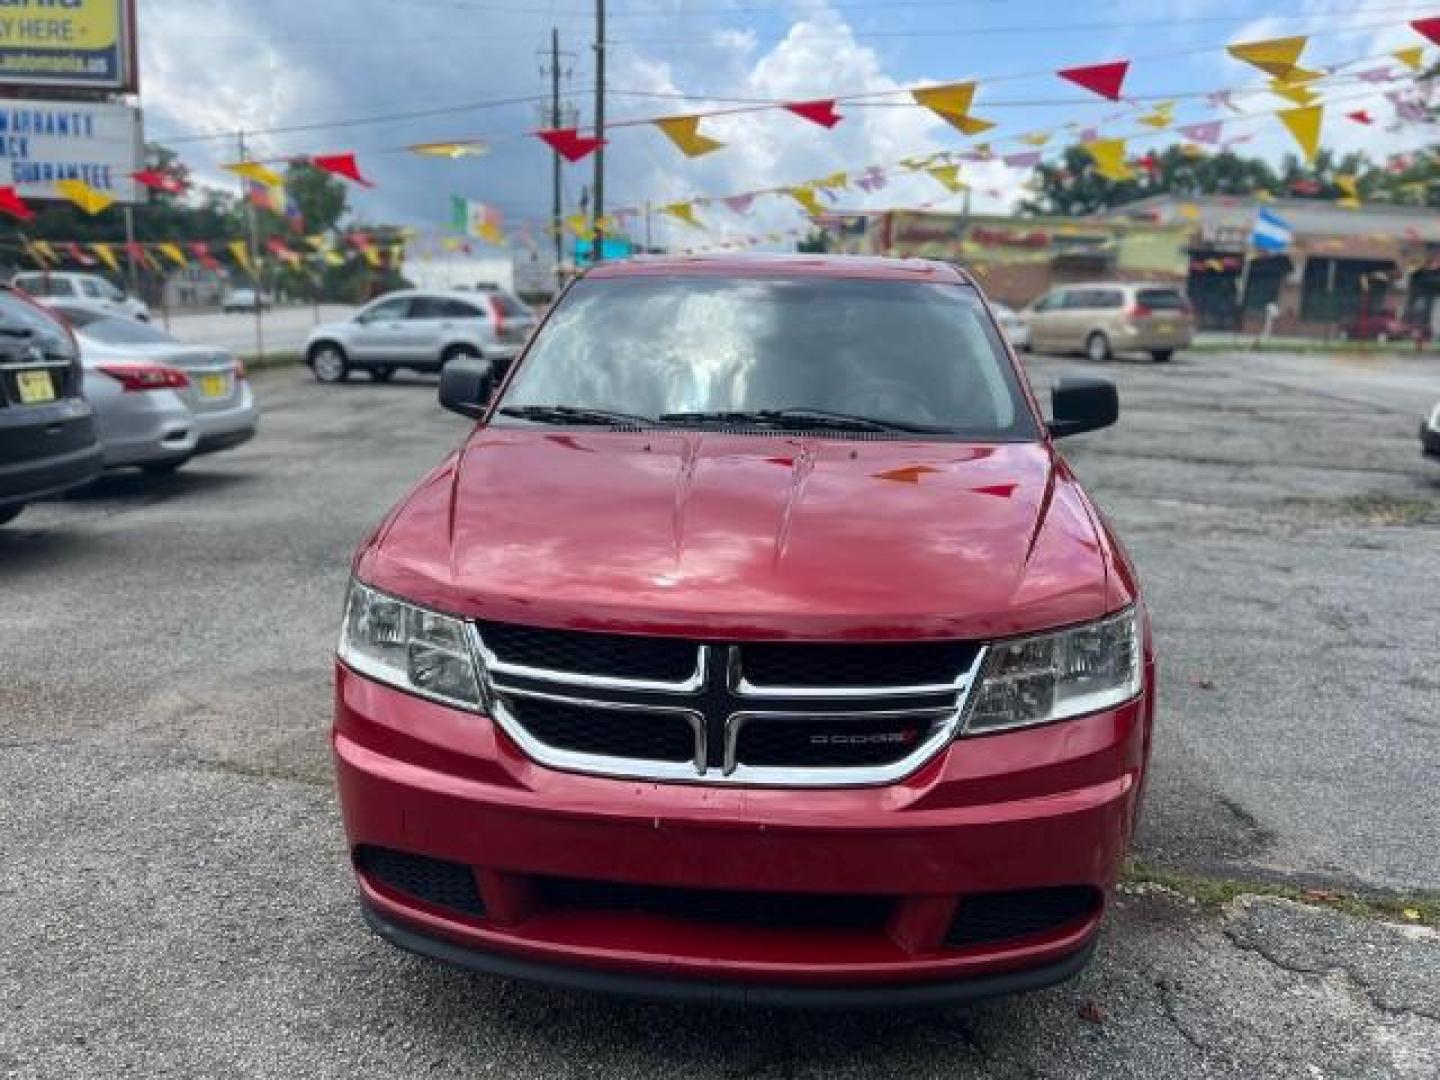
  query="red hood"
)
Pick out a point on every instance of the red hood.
point(748, 536)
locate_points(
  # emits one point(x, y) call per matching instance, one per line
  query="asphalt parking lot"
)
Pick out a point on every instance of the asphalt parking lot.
point(174, 894)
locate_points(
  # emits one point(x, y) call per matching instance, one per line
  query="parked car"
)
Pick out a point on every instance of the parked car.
point(758, 644)
point(1430, 434)
point(422, 331)
point(1382, 326)
point(84, 290)
point(1105, 319)
point(244, 300)
point(1013, 326)
point(47, 428)
point(160, 402)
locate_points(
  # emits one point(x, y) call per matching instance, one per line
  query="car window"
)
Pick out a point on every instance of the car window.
point(925, 354)
point(19, 314)
point(458, 309)
point(509, 306)
point(387, 310)
point(118, 331)
point(41, 285)
point(1050, 302)
point(1161, 299)
point(1107, 299)
point(1079, 299)
point(92, 289)
point(428, 307)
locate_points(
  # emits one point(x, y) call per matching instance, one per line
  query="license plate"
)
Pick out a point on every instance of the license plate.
point(214, 385)
point(35, 387)
point(1166, 328)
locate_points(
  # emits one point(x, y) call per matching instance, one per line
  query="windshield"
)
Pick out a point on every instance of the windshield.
point(900, 352)
point(113, 331)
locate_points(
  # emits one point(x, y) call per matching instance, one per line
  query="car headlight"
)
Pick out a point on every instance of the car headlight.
point(1035, 680)
point(409, 647)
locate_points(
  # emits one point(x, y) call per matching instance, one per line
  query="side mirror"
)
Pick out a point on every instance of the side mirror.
point(466, 387)
point(1082, 405)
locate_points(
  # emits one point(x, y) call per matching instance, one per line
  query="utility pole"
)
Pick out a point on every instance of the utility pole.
point(556, 210)
point(254, 243)
point(597, 244)
point(134, 268)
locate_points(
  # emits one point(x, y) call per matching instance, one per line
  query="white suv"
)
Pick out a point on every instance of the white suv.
point(423, 331)
point(84, 290)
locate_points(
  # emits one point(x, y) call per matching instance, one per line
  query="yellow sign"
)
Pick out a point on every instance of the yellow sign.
point(86, 43)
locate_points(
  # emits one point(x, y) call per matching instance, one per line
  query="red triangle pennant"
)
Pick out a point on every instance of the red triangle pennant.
point(1429, 28)
point(78, 254)
point(159, 181)
point(1107, 80)
point(817, 112)
point(12, 204)
point(343, 165)
point(1360, 116)
point(569, 143)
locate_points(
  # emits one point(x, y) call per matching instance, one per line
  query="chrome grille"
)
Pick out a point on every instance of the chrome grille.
point(767, 714)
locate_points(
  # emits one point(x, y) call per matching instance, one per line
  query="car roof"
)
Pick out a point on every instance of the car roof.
point(867, 267)
point(470, 296)
point(1069, 285)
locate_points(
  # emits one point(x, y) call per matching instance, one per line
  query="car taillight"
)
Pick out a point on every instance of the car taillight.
point(1140, 311)
point(138, 377)
point(240, 372)
point(498, 313)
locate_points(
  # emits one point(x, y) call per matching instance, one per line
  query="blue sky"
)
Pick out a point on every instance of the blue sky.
point(211, 66)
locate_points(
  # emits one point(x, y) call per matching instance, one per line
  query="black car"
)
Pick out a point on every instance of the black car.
point(47, 430)
point(1430, 434)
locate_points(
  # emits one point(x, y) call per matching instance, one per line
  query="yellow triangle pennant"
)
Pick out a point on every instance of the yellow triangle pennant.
point(949, 177)
point(1263, 196)
point(834, 181)
point(684, 132)
point(970, 125)
point(949, 101)
point(1413, 58)
point(1294, 93)
point(253, 170)
point(579, 224)
point(174, 253)
point(107, 256)
point(683, 211)
point(1036, 138)
point(1109, 157)
point(317, 241)
point(805, 196)
point(1304, 124)
point(44, 251)
point(373, 257)
point(490, 233)
point(1275, 56)
point(241, 252)
point(84, 196)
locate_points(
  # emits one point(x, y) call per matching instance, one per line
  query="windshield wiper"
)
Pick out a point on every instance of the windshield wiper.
point(800, 419)
point(571, 414)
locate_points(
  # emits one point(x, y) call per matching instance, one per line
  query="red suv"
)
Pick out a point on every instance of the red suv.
point(756, 645)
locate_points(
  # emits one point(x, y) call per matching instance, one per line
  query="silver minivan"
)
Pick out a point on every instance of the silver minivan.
point(422, 331)
point(1107, 318)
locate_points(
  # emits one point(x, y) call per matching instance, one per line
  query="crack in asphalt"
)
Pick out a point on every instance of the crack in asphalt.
point(1166, 997)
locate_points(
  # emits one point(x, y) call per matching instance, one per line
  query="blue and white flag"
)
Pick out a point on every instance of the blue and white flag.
point(1271, 233)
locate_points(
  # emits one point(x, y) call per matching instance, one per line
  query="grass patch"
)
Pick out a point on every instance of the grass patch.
point(1374, 509)
point(1417, 909)
point(1313, 348)
point(278, 359)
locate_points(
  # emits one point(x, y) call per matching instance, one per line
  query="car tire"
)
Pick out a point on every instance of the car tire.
point(10, 513)
point(381, 374)
point(1162, 356)
point(329, 364)
point(1097, 348)
point(458, 352)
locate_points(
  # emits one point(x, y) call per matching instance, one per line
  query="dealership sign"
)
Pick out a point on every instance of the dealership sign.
point(83, 43)
point(44, 142)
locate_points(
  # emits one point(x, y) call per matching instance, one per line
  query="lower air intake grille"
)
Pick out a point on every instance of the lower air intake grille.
point(797, 911)
point(585, 729)
point(444, 884)
point(1000, 916)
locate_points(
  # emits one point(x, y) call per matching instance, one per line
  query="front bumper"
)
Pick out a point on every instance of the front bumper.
point(1040, 810)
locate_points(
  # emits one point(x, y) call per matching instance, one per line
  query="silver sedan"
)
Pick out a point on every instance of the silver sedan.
point(159, 402)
